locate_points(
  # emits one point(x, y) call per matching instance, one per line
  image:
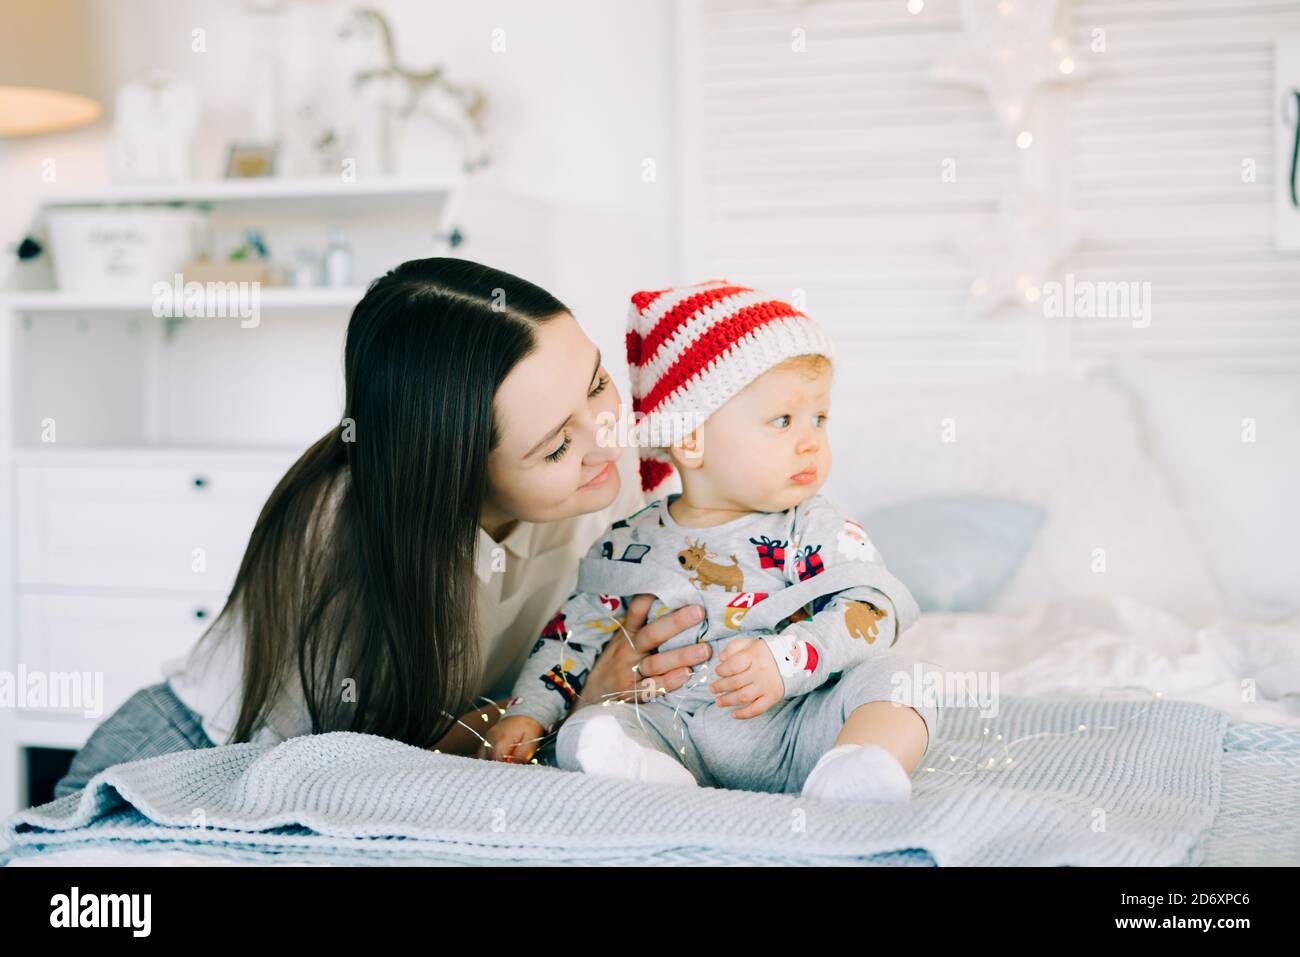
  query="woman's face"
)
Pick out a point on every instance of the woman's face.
point(549, 464)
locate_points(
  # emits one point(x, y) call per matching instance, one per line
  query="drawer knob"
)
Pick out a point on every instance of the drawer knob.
point(200, 613)
point(200, 481)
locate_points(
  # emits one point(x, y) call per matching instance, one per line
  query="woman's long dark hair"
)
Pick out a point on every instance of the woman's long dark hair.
point(359, 576)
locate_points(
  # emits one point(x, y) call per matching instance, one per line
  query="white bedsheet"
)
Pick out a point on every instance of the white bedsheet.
point(1103, 644)
point(1076, 646)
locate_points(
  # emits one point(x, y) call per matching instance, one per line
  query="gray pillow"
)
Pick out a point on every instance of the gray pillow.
point(953, 553)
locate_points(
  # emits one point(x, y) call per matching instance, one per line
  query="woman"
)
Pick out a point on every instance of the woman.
point(401, 570)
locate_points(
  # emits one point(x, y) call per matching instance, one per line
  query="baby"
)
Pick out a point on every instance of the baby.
point(801, 694)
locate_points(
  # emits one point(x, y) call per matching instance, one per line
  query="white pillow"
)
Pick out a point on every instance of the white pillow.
point(1230, 443)
point(1071, 448)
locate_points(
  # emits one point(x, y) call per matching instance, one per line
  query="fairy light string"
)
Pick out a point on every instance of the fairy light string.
point(1001, 760)
point(642, 694)
point(979, 764)
point(616, 697)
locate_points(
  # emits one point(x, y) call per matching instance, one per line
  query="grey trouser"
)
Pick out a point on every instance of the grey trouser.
point(773, 752)
point(152, 721)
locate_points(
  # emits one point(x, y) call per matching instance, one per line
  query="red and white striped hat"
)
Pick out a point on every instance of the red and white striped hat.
point(691, 348)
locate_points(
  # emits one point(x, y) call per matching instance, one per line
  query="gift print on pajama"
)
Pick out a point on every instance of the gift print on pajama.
point(807, 582)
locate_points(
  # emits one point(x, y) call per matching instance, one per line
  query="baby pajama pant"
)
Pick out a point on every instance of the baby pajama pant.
point(773, 752)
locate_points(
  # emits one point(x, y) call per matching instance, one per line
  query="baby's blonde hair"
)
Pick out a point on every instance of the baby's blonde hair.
point(810, 365)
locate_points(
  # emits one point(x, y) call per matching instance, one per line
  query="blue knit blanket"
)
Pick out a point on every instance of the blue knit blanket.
point(1069, 782)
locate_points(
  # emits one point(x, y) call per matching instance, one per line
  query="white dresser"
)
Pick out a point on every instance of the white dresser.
point(123, 559)
point(136, 451)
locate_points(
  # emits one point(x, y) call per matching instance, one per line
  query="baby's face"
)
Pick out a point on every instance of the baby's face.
point(767, 449)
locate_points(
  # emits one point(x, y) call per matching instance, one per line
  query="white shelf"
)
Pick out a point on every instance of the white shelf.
point(153, 456)
point(311, 196)
point(269, 297)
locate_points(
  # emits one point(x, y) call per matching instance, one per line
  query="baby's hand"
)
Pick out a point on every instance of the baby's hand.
point(512, 739)
point(747, 676)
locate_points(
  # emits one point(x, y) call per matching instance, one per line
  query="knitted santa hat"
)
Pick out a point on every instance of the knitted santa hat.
point(691, 348)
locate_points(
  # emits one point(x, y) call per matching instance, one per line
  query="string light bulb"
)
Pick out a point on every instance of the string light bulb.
point(633, 697)
point(979, 764)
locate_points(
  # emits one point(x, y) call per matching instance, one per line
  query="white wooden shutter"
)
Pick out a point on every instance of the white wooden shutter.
point(1158, 141)
point(820, 171)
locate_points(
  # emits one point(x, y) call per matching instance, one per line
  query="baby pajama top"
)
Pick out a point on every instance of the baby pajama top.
point(806, 581)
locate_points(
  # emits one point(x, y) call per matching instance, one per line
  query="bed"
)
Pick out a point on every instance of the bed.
point(1107, 774)
point(1148, 702)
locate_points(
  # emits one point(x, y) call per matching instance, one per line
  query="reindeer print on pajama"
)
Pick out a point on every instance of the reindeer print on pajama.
point(807, 582)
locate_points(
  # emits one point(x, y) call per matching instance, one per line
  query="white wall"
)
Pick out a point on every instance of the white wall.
point(581, 95)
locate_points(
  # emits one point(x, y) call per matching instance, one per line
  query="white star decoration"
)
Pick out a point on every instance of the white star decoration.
point(1014, 253)
point(1008, 49)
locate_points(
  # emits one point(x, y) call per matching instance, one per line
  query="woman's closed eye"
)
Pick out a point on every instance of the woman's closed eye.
point(564, 446)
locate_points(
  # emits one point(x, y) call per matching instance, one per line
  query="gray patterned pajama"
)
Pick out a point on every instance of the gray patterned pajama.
point(807, 582)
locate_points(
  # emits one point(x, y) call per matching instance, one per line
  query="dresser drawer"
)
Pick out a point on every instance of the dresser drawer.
point(125, 639)
point(174, 526)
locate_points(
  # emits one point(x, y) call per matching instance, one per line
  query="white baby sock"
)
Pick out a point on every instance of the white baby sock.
point(864, 773)
point(605, 750)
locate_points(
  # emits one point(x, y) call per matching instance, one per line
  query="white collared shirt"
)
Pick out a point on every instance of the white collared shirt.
point(523, 580)
point(526, 577)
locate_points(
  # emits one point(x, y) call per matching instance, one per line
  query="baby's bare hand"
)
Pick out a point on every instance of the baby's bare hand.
point(748, 678)
point(513, 739)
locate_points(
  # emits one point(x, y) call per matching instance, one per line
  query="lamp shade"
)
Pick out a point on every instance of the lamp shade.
point(47, 66)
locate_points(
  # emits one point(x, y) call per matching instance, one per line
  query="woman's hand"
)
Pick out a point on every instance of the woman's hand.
point(612, 675)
